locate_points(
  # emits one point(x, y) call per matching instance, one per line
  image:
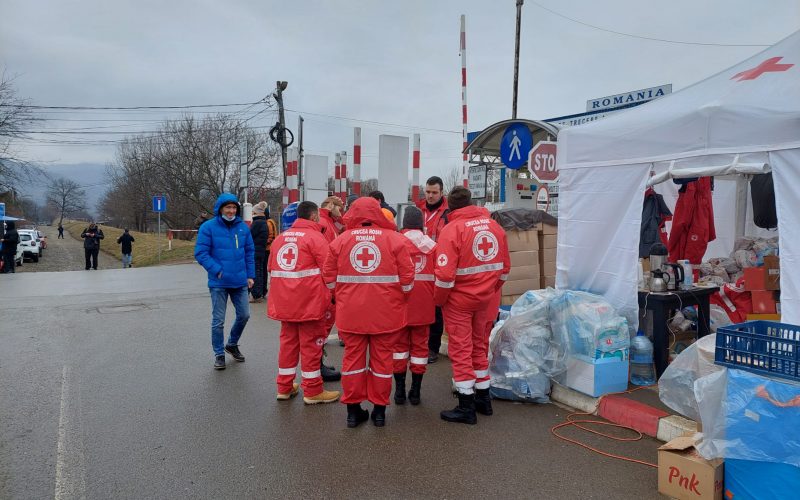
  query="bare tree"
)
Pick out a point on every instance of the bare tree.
point(66, 196)
point(14, 116)
point(452, 179)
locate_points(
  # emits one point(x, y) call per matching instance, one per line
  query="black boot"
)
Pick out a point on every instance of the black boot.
point(483, 402)
point(329, 373)
point(416, 385)
point(400, 388)
point(356, 415)
point(379, 415)
point(463, 413)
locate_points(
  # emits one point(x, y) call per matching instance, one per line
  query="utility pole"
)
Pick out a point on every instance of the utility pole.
point(280, 136)
point(516, 60)
point(300, 180)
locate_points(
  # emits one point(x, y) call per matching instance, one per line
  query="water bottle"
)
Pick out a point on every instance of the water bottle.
point(642, 370)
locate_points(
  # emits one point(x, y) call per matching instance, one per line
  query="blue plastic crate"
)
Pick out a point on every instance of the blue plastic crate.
point(762, 347)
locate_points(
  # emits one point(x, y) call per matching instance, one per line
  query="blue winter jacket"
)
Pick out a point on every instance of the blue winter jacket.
point(226, 251)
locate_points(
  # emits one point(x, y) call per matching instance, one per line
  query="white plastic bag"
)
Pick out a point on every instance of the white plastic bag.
point(676, 385)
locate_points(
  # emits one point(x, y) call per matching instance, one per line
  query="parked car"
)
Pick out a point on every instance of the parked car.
point(19, 256)
point(30, 247)
point(38, 236)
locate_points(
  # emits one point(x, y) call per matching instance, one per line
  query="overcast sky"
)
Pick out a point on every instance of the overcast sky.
point(393, 62)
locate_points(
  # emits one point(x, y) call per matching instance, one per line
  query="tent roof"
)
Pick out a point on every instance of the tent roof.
point(742, 109)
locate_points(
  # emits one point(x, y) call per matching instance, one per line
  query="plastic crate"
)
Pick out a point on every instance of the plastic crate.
point(762, 347)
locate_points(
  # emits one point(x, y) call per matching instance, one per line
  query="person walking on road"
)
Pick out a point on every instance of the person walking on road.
point(370, 270)
point(9, 252)
point(60, 232)
point(126, 240)
point(299, 300)
point(412, 344)
point(260, 233)
point(91, 244)
point(225, 249)
point(434, 212)
point(472, 263)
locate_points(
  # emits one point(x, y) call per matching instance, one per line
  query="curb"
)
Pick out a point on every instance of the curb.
point(644, 418)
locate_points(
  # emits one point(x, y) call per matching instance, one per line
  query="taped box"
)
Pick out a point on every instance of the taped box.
point(520, 241)
point(508, 300)
point(546, 228)
point(518, 287)
point(684, 474)
point(524, 273)
point(527, 258)
point(548, 241)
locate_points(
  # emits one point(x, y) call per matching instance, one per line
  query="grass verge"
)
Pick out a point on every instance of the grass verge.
point(145, 248)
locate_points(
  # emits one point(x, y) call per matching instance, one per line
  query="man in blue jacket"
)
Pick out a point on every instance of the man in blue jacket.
point(225, 249)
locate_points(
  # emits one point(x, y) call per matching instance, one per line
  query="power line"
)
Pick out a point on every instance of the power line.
point(411, 127)
point(127, 108)
point(640, 37)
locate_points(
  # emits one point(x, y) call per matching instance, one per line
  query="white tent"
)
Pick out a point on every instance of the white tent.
point(743, 120)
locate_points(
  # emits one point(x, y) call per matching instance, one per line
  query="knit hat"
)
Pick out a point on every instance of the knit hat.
point(260, 207)
point(351, 198)
point(412, 218)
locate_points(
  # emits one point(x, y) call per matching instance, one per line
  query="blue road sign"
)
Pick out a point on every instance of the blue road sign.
point(288, 216)
point(159, 203)
point(2, 210)
point(515, 145)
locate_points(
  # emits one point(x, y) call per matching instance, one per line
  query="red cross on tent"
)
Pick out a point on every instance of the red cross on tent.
point(768, 66)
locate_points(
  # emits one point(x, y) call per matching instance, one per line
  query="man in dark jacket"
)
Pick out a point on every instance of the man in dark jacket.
point(126, 240)
point(224, 248)
point(260, 233)
point(10, 241)
point(379, 196)
point(91, 244)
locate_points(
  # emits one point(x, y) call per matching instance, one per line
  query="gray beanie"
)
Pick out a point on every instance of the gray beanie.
point(412, 218)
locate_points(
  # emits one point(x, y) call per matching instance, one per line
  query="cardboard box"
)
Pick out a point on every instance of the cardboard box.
point(548, 281)
point(548, 241)
point(520, 241)
point(508, 300)
point(597, 377)
point(684, 474)
point(766, 277)
point(527, 258)
point(764, 317)
point(546, 228)
point(547, 255)
point(772, 264)
point(524, 273)
point(764, 302)
point(549, 268)
point(518, 287)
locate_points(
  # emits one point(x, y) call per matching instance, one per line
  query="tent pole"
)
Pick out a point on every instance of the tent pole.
point(741, 204)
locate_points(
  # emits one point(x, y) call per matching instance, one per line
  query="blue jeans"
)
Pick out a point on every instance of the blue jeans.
point(219, 303)
point(126, 260)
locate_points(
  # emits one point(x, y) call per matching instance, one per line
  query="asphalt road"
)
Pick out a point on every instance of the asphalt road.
point(107, 391)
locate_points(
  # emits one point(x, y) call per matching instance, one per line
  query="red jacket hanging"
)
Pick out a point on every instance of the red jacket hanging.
point(693, 223)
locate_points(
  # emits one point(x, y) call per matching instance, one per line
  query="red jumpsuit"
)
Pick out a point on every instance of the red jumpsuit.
point(472, 262)
point(370, 269)
point(298, 298)
point(413, 341)
point(693, 222)
point(328, 222)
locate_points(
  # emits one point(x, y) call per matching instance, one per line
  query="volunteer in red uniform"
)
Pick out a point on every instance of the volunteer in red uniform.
point(298, 299)
point(472, 262)
point(330, 217)
point(412, 344)
point(434, 212)
point(370, 270)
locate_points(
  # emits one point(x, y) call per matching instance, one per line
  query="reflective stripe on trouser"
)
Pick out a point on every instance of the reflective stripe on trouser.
point(412, 340)
point(467, 346)
point(358, 383)
point(482, 379)
point(303, 339)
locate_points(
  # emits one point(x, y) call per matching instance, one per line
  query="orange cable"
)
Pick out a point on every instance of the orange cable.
point(576, 423)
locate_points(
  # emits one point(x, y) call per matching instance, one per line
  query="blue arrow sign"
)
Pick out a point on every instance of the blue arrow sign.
point(515, 145)
point(159, 203)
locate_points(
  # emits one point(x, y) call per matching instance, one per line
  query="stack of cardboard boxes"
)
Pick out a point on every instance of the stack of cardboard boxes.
point(533, 261)
point(764, 286)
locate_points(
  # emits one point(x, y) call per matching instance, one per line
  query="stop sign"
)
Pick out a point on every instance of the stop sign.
point(542, 162)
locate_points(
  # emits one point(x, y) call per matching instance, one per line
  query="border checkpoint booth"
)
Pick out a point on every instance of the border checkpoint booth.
point(744, 120)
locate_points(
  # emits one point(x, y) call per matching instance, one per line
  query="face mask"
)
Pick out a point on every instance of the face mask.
point(229, 218)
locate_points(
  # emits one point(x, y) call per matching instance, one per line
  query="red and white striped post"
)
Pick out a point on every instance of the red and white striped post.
point(294, 193)
point(415, 171)
point(343, 177)
point(464, 166)
point(337, 173)
point(357, 161)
